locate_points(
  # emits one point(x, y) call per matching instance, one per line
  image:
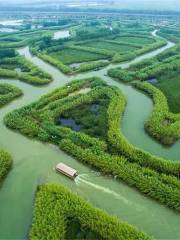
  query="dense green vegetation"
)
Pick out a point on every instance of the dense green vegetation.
point(161, 187)
point(95, 50)
point(162, 124)
point(18, 67)
point(124, 46)
point(91, 32)
point(96, 65)
point(138, 40)
point(112, 154)
point(24, 37)
point(168, 85)
point(112, 46)
point(92, 117)
point(8, 93)
point(146, 48)
point(60, 65)
point(171, 33)
point(12, 42)
point(8, 52)
point(94, 42)
point(5, 164)
point(163, 73)
point(61, 214)
point(162, 68)
point(68, 56)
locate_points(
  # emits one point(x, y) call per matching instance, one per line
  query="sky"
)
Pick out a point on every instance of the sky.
point(150, 4)
point(128, 4)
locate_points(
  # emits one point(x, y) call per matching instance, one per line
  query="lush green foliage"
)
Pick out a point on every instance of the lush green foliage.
point(69, 55)
point(60, 65)
point(92, 66)
point(134, 39)
point(7, 53)
point(160, 187)
point(119, 50)
point(55, 60)
point(163, 71)
point(21, 38)
point(112, 46)
point(147, 48)
point(92, 33)
point(104, 53)
point(158, 67)
point(162, 124)
point(61, 214)
point(90, 44)
point(5, 164)
point(120, 143)
point(171, 33)
point(92, 118)
point(8, 93)
point(168, 85)
point(22, 69)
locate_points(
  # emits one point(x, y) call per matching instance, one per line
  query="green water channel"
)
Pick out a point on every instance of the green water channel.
point(34, 164)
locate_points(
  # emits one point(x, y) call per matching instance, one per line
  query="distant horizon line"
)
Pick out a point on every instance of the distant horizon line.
point(63, 8)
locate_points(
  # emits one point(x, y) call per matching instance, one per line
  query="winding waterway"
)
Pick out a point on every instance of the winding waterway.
point(34, 163)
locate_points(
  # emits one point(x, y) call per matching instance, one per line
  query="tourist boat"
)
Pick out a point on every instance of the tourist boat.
point(66, 170)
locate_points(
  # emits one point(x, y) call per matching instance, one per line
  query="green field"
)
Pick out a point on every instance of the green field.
point(91, 42)
point(170, 86)
point(120, 48)
point(69, 56)
point(135, 40)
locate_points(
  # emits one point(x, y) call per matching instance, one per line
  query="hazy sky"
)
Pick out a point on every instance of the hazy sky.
point(132, 4)
point(150, 4)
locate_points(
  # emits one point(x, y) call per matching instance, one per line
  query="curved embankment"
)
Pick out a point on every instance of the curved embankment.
point(163, 125)
point(34, 162)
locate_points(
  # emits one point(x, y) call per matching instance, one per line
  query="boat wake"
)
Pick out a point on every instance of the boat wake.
point(80, 180)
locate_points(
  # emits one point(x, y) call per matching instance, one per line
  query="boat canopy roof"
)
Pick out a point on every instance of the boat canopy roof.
point(66, 169)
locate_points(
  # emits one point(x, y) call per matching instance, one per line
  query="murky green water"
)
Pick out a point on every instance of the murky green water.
point(34, 163)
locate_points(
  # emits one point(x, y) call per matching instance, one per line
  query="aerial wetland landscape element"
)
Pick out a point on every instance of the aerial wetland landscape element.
point(100, 118)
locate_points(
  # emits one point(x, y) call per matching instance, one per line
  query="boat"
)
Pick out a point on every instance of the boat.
point(66, 170)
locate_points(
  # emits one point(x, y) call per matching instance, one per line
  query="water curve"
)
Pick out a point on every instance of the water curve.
point(34, 163)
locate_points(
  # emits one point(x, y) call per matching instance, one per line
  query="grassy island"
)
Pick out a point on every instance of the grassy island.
point(61, 214)
point(5, 164)
point(14, 66)
point(8, 93)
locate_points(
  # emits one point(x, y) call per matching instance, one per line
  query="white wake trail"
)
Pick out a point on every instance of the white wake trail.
point(80, 180)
